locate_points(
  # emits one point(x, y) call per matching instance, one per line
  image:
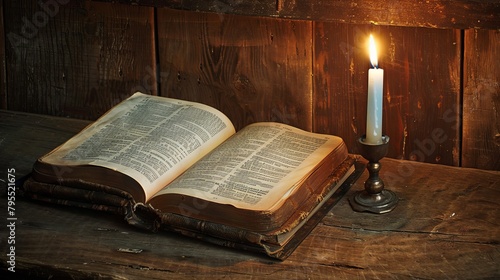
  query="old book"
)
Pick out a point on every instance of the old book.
point(170, 164)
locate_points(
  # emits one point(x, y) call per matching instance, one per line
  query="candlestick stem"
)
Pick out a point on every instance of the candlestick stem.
point(374, 198)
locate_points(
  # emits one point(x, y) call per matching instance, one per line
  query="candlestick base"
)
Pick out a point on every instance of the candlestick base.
point(374, 198)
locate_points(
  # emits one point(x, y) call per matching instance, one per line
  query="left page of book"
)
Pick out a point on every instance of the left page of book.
point(151, 139)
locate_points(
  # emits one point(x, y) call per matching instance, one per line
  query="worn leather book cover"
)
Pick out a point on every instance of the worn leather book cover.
point(81, 194)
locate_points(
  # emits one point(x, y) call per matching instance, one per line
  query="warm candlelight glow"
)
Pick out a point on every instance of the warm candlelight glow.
point(373, 52)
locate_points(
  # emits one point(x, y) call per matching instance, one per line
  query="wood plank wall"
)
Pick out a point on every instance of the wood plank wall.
point(252, 68)
point(441, 85)
point(76, 59)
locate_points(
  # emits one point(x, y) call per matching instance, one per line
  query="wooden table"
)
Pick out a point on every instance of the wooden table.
point(445, 226)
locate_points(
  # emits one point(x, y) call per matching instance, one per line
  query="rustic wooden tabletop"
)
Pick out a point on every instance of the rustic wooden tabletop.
point(445, 226)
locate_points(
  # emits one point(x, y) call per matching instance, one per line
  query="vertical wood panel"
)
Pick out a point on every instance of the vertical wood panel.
point(421, 85)
point(340, 66)
point(481, 111)
point(252, 69)
point(3, 89)
point(76, 59)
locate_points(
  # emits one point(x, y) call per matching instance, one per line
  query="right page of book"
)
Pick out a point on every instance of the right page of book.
point(256, 168)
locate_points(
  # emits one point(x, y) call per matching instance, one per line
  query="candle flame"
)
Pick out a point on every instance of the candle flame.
point(373, 52)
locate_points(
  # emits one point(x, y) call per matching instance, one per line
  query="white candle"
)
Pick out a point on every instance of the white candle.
point(374, 102)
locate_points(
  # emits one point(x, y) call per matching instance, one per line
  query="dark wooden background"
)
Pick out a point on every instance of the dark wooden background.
point(301, 64)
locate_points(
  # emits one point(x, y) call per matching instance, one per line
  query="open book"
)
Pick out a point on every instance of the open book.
point(176, 165)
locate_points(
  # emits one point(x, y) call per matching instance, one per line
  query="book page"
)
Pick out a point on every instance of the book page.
point(256, 167)
point(152, 139)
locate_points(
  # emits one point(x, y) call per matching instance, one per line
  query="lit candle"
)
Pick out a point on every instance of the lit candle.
point(374, 102)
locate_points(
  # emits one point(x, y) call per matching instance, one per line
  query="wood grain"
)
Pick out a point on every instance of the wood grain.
point(445, 226)
point(252, 69)
point(76, 59)
point(421, 88)
point(3, 84)
point(440, 213)
point(481, 111)
point(456, 14)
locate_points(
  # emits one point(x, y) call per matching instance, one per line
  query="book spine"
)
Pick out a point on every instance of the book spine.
point(99, 195)
point(117, 210)
point(175, 221)
point(145, 216)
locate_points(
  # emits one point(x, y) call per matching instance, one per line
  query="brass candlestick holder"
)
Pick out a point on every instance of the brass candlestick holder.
point(374, 198)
